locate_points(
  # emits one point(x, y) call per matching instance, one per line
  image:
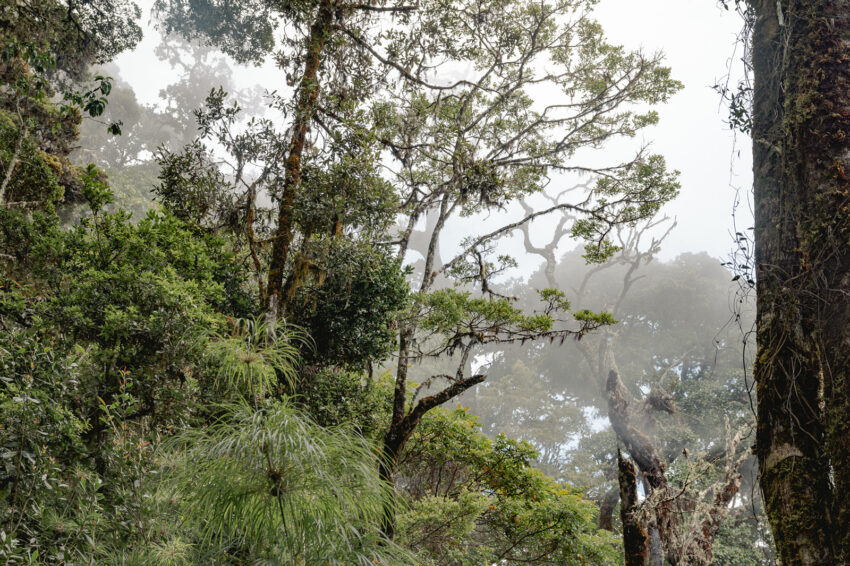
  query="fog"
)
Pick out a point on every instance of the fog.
point(698, 40)
point(681, 343)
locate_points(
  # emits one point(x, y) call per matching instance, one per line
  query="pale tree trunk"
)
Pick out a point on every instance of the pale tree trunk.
point(13, 163)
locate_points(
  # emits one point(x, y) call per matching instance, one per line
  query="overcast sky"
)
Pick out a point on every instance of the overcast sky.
point(698, 39)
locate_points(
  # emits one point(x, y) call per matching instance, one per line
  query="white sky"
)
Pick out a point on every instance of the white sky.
point(698, 39)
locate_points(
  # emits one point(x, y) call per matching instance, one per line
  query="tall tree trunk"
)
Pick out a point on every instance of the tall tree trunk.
point(393, 438)
point(818, 164)
point(305, 109)
point(789, 442)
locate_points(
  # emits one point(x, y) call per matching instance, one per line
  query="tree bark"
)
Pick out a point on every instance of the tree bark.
point(635, 538)
point(606, 509)
point(644, 453)
point(790, 438)
point(402, 426)
point(818, 164)
point(308, 94)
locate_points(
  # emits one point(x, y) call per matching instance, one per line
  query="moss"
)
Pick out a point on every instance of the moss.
point(635, 537)
point(34, 177)
point(792, 497)
point(816, 160)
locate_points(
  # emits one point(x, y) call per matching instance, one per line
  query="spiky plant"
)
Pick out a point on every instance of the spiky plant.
point(257, 356)
point(270, 484)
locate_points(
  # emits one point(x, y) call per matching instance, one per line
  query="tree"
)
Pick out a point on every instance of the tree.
point(799, 120)
point(75, 34)
point(362, 59)
point(679, 376)
point(471, 500)
point(229, 27)
point(456, 148)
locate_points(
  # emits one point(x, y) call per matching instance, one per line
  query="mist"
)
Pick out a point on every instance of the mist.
point(385, 283)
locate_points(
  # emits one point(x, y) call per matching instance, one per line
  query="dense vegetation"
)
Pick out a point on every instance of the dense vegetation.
point(232, 330)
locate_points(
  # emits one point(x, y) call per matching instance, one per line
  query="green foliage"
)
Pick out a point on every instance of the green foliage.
point(639, 194)
point(675, 350)
point(245, 31)
point(118, 331)
point(734, 546)
point(191, 188)
point(442, 529)
point(36, 134)
point(138, 296)
point(337, 397)
point(346, 187)
point(75, 34)
point(54, 507)
point(93, 101)
point(107, 325)
point(132, 187)
point(473, 500)
point(34, 179)
point(449, 309)
point(270, 485)
point(257, 357)
point(350, 308)
point(458, 317)
point(38, 438)
point(95, 190)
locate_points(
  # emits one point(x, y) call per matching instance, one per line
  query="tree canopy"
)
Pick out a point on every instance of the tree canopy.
point(282, 326)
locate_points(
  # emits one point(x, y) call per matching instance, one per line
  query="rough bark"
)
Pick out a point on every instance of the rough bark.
point(790, 437)
point(642, 450)
point(818, 164)
point(308, 94)
point(635, 537)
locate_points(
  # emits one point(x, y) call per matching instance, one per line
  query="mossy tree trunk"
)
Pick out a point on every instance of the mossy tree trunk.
point(662, 528)
point(635, 537)
point(305, 109)
point(801, 121)
point(818, 123)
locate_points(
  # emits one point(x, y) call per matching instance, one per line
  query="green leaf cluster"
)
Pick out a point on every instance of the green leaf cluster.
point(473, 500)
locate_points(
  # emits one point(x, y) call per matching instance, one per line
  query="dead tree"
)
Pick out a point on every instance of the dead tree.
point(678, 526)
